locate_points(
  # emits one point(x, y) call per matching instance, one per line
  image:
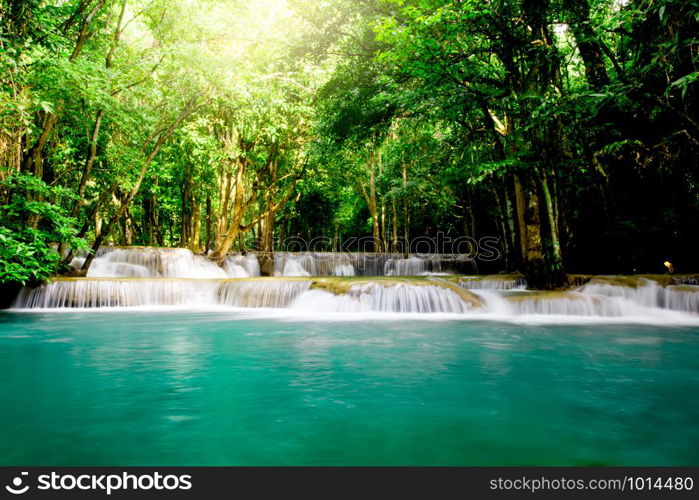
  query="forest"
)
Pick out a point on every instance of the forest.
point(565, 130)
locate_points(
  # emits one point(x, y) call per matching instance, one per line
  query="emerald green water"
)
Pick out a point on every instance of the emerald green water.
point(215, 388)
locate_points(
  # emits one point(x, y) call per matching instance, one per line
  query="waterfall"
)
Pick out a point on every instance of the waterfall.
point(598, 299)
point(648, 293)
point(347, 283)
point(293, 268)
point(144, 262)
point(366, 264)
point(88, 293)
point(261, 293)
point(380, 297)
point(242, 266)
point(343, 270)
point(492, 283)
point(682, 298)
point(314, 264)
point(572, 304)
point(368, 295)
point(82, 293)
point(413, 266)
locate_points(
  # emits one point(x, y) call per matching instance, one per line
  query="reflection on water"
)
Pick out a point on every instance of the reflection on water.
point(215, 388)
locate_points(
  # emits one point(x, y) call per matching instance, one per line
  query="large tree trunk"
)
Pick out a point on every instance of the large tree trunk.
point(230, 221)
point(552, 218)
point(373, 208)
point(207, 245)
point(406, 210)
point(468, 217)
point(370, 197)
point(543, 270)
point(529, 224)
point(186, 211)
point(501, 218)
point(267, 236)
point(267, 232)
point(129, 228)
point(225, 187)
point(506, 222)
point(589, 46)
point(195, 225)
point(394, 219)
point(382, 231)
point(148, 210)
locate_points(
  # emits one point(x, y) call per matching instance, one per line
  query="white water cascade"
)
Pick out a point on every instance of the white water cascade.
point(367, 264)
point(598, 299)
point(382, 297)
point(139, 276)
point(412, 266)
point(261, 293)
point(242, 266)
point(89, 293)
point(648, 293)
point(293, 267)
point(146, 262)
point(336, 295)
point(492, 283)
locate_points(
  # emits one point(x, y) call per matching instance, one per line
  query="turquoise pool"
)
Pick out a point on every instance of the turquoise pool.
point(232, 388)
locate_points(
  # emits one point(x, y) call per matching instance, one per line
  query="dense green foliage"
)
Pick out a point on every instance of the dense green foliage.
point(567, 129)
point(26, 254)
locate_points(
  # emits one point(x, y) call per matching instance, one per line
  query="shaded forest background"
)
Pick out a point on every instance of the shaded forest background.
point(567, 129)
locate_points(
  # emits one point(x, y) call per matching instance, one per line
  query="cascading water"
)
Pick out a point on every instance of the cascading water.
point(365, 296)
point(682, 298)
point(90, 293)
point(343, 270)
point(293, 268)
point(322, 264)
point(572, 304)
point(598, 299)
point(126, 277)
point(367, 264)
point(261, 293)
point(144, 262)
point(648, 293)
point(493, 283)
point(84, 293)
point(412, 266)
point(387, 297)
point(242, 266)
